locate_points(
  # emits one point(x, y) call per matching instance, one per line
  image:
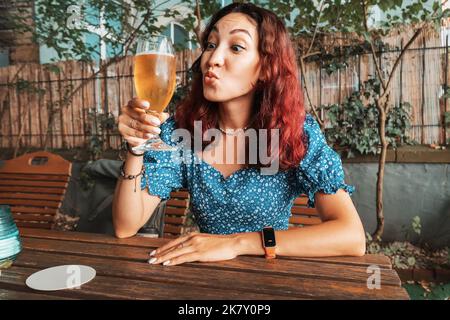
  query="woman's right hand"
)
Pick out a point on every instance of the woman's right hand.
point(136, 126)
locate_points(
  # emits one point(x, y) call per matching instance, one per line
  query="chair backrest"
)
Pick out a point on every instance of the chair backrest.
point(177, 208)
point(301, 215)
point(33, 185)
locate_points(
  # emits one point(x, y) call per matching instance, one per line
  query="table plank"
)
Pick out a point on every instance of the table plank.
point(307, 269)
point(105, 287)
point(19, 295)
point(135, 241)
point(151, 243)
point(192, 279)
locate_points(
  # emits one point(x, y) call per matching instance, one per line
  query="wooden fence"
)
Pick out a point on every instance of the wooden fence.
point(420, 80)
point(32, 114)
point(33, 111)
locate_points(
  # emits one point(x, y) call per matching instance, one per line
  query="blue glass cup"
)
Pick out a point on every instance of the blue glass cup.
point(10, 245)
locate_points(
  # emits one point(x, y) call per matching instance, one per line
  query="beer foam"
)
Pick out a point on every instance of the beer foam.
point(155, 52)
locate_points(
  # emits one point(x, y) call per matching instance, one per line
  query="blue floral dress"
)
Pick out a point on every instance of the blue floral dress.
point(247, 200)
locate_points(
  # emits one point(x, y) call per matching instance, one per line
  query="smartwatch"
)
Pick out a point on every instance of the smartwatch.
point(269, 243)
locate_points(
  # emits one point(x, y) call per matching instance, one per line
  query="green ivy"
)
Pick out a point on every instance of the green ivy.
point(415, 226)
point(405, 255)
point(86, 181)
point(447, 118)
point(353, 125)
point(435, 291)
point(101, 123)
point(23, 85)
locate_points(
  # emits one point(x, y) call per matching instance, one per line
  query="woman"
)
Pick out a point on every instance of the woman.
point(246, 78)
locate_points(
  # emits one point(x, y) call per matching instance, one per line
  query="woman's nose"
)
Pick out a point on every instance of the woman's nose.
point(216, 59)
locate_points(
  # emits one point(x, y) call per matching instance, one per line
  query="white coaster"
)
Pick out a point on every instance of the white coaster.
point(60, 277)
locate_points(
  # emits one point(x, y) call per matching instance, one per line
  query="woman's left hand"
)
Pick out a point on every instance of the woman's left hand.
point(196, 247)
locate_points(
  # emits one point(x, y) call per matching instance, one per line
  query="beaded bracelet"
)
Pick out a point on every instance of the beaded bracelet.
point(131, 176)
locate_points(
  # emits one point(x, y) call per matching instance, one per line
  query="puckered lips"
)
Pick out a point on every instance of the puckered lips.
point(210, 78)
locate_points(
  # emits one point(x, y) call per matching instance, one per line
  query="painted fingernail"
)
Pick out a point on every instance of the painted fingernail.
point(152, 253)
point(155, 121)
point(152, 260)
point(146, 104)
point(157, 130)
point(166, 263)
point(149, 135)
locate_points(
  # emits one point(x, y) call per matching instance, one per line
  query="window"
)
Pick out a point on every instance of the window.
point(179, 36)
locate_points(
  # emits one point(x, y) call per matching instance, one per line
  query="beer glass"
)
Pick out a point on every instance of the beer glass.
point(154, 80)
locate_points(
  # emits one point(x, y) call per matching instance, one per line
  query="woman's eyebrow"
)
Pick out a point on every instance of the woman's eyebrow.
point(233, 31)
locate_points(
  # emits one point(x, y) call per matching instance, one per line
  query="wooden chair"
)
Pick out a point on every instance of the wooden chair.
point(301, 215)
point(175, 215)
point(33, 185)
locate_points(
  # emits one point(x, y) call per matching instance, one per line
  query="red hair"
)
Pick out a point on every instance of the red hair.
point(278, 102)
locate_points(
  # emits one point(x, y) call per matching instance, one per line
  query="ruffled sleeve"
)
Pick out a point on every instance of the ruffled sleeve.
point(163, 173)
point(321, 168)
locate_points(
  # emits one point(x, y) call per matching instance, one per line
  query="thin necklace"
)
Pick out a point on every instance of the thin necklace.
point(232, 132)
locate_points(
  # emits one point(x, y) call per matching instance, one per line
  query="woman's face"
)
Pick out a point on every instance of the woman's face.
point(232, 55)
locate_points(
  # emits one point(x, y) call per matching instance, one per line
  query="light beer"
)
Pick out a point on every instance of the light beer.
point(155, 78)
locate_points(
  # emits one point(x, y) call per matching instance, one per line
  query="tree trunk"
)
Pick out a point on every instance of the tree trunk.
point(51, 115)
point(198, 27)
point(382, 160)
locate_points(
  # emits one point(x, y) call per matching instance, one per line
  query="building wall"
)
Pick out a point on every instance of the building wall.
point(409, 190)
point(17, 48)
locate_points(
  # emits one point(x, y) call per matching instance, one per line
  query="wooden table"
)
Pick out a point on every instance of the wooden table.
point(123, 273)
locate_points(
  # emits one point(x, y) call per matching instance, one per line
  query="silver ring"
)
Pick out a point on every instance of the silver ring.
point(133, 124)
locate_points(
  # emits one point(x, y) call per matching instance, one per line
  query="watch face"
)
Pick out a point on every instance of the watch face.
point(269, 237)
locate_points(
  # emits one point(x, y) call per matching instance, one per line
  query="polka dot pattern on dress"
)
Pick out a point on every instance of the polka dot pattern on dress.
point(247, 200)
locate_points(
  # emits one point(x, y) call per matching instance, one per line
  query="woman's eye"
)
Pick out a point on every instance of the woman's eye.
point(237, 48)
